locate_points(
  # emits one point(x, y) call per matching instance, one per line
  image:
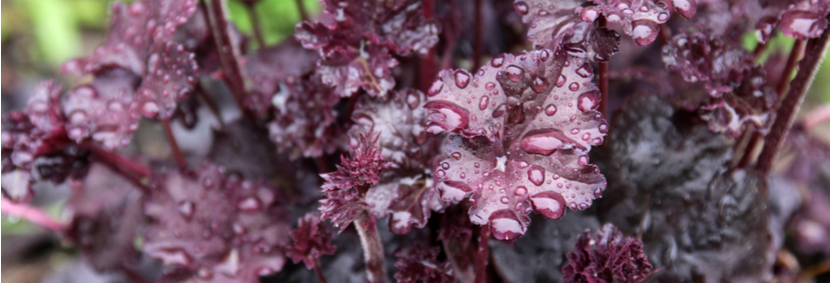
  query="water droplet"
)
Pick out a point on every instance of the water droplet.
point(583, 206)
point(482, 104)
point(583, 160)
point(504, 200)
point(497, 61)
point(643, 32)
point(536, 175)
point(505, 225)
point(150, 109)
point(521, 8)
point(574, 131)
point(561, 80)
point(687, 8)
point(462, 78)
point(603, 128)
point(520, 191)
point(544, 55)
point(573, 86)
point(585, 70)
point(588, 101)
point(539, 85)
point(515, 73)
point(436, 87)
point(490, 85)
point(543, 142)
point(450, 116)
point(186, 209)
point(249, 205)
point(456, 155)
point(550, 204)
point(586, 136)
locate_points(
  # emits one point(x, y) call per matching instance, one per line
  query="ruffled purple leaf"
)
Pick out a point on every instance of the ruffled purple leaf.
point(268, 68)
point(523, 127)
point(419, 262)
point(304, 123)
point(215, 228)
point(312, 239)
point(605, 257)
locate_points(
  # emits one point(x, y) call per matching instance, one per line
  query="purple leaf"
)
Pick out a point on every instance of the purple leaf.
point(215, 227)
point(354, 39)
point(525, 125)
point(403, 193)
point(419, 262)
point(312, 239)
point(607, 256)
point(271, 67)
point(304, 123)
point(140, 40)
point(106, 215)
point(104, 110)
point(805, 19)
point(345, 189)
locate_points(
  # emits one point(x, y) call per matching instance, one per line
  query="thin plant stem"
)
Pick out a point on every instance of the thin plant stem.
point(228, 52)
point(302, 10)
point(174, 145)
point(319, 271)
point(372, 249)
point(252, 15)
point(478, 36)
point(211, 104)
point(785, 115)
point(428, 62)
point(482, 254)
point(795, 54)
point(31, 214)
point(116, 160)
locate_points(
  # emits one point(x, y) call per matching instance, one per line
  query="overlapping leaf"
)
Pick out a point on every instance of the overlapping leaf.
point(355, 38)
point(523, 127)
point(419, 262)
point(607, 256)
point(214, 228)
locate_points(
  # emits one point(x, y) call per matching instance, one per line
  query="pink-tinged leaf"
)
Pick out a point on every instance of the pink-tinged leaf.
point(106, 214)
point(419, 262)
point(140, 39)
point(403, 193)
point(805, 19)
point(217, 228)
point(607, 256)
point(27, 135)
point(532, 153)
point(557, 24)
point(104, 110)
point(270, 67)
point(355, 38)
point(304, 123)
point(312, 239)
point(345, 190)
point(371, 71)
point(739, 92)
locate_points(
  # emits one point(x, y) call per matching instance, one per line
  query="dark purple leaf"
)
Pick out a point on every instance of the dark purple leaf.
point(607, 256)
point(312, 239)
point(345, 190)
point(215, 228)
point(525, 125)
point(304, 123)
point(106, 214)
point(273, 68)
point(419, 262)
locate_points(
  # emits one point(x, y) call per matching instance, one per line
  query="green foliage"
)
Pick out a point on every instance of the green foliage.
point(277, 17)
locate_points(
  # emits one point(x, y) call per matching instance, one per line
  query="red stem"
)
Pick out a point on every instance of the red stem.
point(228, 52)
point(372, 249)
point(603, 80)
point(478, 41)
point(795, 54)
point(211, 104)
point(808, 67)
point(301, 8)
point(319, 271)
point(252, 15)
point(174, 146)
point(31, 214)
point(483, 256)
point(428, 62)
point(117, 160)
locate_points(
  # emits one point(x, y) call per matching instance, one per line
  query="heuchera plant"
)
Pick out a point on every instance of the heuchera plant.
point(427, 132)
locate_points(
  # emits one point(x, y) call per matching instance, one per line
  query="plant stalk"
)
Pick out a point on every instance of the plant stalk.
point(117, 160)
point(174, 146)
point(428, 62)
point(31, 214)
point(785, 115)
point(228, 52)
point(319, 271)
point(372, 249)
point(483, 254)
point(252, 15)
point(302, 10)
point(478, 36)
